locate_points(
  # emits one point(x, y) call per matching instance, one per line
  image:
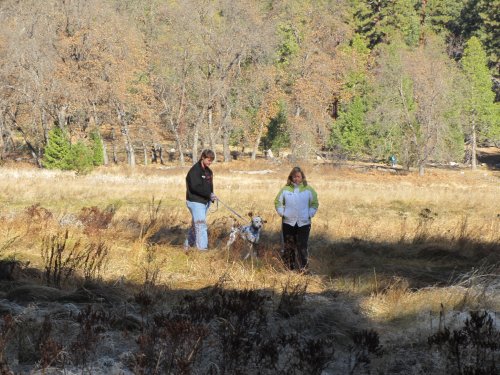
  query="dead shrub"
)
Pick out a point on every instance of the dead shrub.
point(95, 219)
point(60, 257)
point(94, 259)
point(365, 344)
point(37, 217)
point(7, 330)
point(472, 349)
point(149, 227)
point(291, 299)
point(169, 346)
point(422, 232)
point(218, 232)
point(50, 350)
point(93, 323)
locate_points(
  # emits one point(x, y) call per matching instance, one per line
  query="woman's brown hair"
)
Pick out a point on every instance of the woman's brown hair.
point(207, 154)
point(295, 170)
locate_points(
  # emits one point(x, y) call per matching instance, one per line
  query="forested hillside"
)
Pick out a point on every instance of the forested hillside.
point(112, 80)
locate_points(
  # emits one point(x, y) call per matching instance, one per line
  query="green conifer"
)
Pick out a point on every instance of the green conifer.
point(96, 147)
point(480, 110)
point(57, 151)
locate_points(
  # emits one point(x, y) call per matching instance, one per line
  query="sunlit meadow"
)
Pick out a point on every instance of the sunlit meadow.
point(394, 250)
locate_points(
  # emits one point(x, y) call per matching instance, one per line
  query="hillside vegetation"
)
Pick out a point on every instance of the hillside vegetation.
point(130, 81)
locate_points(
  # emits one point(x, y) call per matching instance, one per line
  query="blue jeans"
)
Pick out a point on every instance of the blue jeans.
point(198, 232)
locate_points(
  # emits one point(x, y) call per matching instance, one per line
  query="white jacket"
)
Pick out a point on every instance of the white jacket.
point(296, 204)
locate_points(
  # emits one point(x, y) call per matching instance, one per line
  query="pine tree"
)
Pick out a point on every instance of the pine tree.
point(96, 147)
point(277, 136)
point(489, 11)
point(479, 97)
point(81, 158)
point(349, 129)
point(383, 20)
point(57, 151)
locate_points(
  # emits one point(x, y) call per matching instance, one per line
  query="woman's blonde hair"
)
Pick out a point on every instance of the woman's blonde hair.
point(292, 173)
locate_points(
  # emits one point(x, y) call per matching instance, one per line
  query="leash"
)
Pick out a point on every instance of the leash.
point(230, 209)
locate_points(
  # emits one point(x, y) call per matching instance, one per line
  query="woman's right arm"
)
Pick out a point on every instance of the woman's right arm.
point(279, 203)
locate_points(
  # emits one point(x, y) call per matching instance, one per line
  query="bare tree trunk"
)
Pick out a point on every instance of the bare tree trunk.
point(61, 117)
point(129, 148)
point(36, 155)
point(210, 128)
point(226, 131)
point(257, 141)
point(2, 132)
point(421, 169)
point(145, 152)
point(196, 134)
point(178, 143)
point(473, 145)
point(195, 144)
point(113, 143)
point(225, 146)
point(104, 152)
point(130, 151)
point(225, 137)
point(45, 126)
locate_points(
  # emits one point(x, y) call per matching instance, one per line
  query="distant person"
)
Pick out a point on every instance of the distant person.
point(296, 203)
point(393, 160)
point(199, 195)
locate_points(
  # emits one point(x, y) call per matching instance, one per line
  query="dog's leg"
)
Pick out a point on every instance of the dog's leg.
point(232, 238)
point(250, 251)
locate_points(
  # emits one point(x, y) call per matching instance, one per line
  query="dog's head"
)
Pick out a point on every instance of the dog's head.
point(257, 222)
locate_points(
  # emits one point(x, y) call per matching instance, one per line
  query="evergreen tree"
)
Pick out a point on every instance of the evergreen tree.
point(480, 111)
point(383, 20)
point(440, 15)
point(289, 46)
point(61, 154)
point(480, 18)
point(96, 147)
point(349, 129)
point(489, 11)
point(277, 136)
point(81, 157)
point(57, 151)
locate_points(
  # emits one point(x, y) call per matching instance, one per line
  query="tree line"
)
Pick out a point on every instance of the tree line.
point(358, 78)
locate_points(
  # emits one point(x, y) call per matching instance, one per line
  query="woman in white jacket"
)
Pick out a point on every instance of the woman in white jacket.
point(296, 203)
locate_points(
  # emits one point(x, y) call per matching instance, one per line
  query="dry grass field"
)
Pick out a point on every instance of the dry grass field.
point(401, 266)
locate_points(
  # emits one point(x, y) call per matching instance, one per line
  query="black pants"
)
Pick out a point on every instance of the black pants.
point(295, 241)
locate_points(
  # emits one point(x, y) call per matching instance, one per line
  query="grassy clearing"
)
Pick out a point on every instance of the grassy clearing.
point(387, 250)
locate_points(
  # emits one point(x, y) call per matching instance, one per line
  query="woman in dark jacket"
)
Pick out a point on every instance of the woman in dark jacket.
point(199, 195)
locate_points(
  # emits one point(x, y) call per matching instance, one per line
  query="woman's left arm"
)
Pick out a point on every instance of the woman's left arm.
point(313, 202)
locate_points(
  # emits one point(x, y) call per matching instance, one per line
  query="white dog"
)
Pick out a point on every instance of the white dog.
point(249, 233)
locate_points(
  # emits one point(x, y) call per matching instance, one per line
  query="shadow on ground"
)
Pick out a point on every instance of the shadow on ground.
point(150, 328)
point(490, 157)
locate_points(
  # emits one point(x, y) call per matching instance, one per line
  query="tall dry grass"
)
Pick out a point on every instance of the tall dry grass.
point(399, 243)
